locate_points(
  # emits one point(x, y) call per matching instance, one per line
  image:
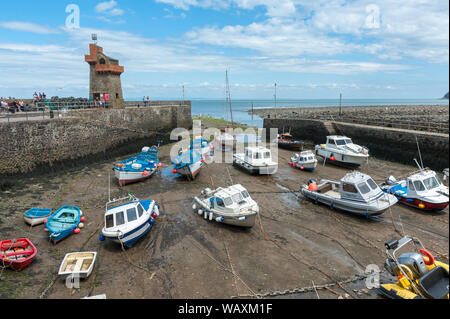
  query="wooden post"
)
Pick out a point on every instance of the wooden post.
point(340, 105)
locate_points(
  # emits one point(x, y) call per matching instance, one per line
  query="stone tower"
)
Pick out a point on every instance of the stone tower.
point(104, 82)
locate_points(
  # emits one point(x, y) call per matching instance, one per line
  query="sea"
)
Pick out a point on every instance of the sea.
point(218, 108)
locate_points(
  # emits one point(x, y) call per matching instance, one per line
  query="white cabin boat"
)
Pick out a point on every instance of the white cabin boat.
point(225, 141)
point(256, 160)
point(232, 205)
point(356, 193)
point(422, 189)
point(127, 223)
point(305, 161)
point(342, 150)
point(78, 264)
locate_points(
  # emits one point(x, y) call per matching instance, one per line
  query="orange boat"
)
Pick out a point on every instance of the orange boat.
point(287, 141)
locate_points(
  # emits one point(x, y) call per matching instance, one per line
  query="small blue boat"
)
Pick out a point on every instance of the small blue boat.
point(202, 145)
point(139, 167)
point(188, 163)
point(63, 223)
point(37, 216)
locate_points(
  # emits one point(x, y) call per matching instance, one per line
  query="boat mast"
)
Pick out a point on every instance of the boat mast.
point(229, 98)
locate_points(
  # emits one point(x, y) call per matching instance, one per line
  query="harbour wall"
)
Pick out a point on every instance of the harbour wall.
point(86, 135)
point(390, 144)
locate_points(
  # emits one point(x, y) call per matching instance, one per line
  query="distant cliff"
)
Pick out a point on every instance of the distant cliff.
point(445, 97)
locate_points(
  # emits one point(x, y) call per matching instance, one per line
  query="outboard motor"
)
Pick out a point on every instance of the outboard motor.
point(391, 180)
point(415, 263)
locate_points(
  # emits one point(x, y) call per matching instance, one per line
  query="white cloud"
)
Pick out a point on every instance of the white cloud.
point(28, 27)
point(110, 8)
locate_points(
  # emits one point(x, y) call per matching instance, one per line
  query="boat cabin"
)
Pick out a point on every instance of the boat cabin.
point(287, 137)
point(231, 198)
point(118, 218)
point(420, 183)
point(359, 187)
point(338, 141)
point(257, 153)
point(305, 157)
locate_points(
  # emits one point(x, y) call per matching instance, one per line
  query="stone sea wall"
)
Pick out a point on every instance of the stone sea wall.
point(34, 145)
point(385, 143)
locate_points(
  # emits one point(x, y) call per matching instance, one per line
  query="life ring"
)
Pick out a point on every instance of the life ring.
point(430, 260)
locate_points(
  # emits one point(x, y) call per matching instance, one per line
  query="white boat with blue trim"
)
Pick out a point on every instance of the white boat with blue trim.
point(127, 223)
point(355, 193)
point(232, 205)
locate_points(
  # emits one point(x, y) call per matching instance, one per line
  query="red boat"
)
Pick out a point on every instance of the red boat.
point(17, 254)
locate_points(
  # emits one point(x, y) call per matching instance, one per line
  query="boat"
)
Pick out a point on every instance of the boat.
point(128, 219)
point(231, 205)
point(139, 167)
point(256, 160)
point(17, 254)
point(287, 141)
point(202, 145)
point(63, 223)
point(79, 264)
point(37, 216)
point(188, 163)
point(422, 189)
point(341, 150)
point(418, 274)
point(355, 193)
point(225, 141)
point(305, 161)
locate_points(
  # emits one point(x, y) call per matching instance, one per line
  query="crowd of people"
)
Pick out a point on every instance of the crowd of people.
point(12, 106)
point(38, 97)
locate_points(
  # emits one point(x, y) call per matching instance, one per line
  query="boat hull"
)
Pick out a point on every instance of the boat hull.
point(36, 220)
point(363, 209)
point(131, 237)
point(56, 235)
point(291, 146)
point(342, 159)
point(417, 203)
point(190, 170)
point(18, 264)
point(255, 170)
point(128, 177)
point(246, 220)
point(309, 167)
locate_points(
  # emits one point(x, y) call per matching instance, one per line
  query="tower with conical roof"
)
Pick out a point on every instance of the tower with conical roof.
point(104, 81)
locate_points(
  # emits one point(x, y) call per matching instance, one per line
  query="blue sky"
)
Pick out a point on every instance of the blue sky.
point(312, 49)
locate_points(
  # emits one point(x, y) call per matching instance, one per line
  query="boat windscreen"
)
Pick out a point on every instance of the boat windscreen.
point(109, 222)
point(430, 183)
point(228, 201)
point(372, 184)
point(120, 219)
point(140, 210)
point(131, 214)
point(348, 141)
point(237, 198)
point(340, 142)
point(363, 188)
point(419, 186)
point(245, 194)
point(267, 155)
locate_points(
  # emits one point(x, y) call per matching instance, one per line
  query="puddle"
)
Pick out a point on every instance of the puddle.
point(291, 200)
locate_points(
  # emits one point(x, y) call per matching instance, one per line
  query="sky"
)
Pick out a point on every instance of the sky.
point(311, 49)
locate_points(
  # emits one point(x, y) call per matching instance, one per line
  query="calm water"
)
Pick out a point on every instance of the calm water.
point(217, 108)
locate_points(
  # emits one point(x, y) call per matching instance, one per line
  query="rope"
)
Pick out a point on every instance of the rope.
point(21, 229)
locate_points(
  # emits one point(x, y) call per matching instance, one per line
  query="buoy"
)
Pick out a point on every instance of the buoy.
point(76, 231)
point(200, 212)
point(81, 225)
point(101, 237)
point(302, 168)
point(312, 187)
point(294, 165)
point(159, 165)
point(421, 206)
point(83, 219)
point(290, 163)
point(174, 171)
point(219, 219)
point(332, 158)
point(194, 207)
point(145, 173)
point(211, 216)
point(154, 215)
point(45, 222)
point(211, 147)
point(206, 214)
point(243, 218)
